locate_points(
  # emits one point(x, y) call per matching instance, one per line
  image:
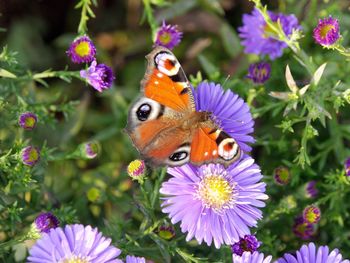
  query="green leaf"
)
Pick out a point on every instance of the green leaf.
point(230, 40)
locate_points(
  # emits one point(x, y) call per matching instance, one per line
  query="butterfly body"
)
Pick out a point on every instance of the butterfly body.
point(164, 124)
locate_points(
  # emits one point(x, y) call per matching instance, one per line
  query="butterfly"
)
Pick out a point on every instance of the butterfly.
point(164, 125)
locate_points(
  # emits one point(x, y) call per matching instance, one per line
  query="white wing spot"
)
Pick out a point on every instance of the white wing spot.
point(159, 75)
point(206, 154)
point(215, 152)
point(156, 82)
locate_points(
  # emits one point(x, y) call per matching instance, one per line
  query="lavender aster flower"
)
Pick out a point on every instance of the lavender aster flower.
point(347, 167)
point(248, 243)
point(259, 73)
point(303, 229)
point(214, 203)
point(327, 31)
point(30, 155)
point(99, 76)
point(249, 257)
point(74, 243)
point(257, 36)
point(311, 254)
point(82, 50)
point(228, 111)
point(312, 214)
point(311, 190)
point(133, 259)
point(45, 221)
point(168, 36)
point(28, 120)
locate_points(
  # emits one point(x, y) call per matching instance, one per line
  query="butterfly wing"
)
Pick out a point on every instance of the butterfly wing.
point(211, 144)
point(166, 82)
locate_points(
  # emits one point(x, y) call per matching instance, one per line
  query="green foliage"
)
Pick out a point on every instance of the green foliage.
point(301, 114)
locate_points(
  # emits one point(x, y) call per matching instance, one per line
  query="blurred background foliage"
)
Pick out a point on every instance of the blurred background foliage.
point(98, 191)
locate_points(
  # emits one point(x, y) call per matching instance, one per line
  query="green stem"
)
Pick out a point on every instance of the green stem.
point(10, 243)
point(150, 18)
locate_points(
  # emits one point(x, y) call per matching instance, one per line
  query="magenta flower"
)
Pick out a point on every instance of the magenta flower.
point(46, 221)
point(311, 189)
point(74, 243)
point(249, 257)
point(248, 243)
point(99, 76)
point(82, 50)
point(214, 203)
point(259, 73)
point(312, 214)
point(168, 36)
point(282, 175)
point(28, 120)
point(327, 31)
point(257, 37)
point(347, 167)
point(302, 228)
point(30, 155)
point(311, 254)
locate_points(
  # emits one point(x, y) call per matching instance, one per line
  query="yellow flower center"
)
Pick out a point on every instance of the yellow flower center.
point(76, 259)
point(216, 192)
point(33, 155)
point(165, 38)
point(325, 29)
point(135, 168)
point(29, 122)
point(82, 49)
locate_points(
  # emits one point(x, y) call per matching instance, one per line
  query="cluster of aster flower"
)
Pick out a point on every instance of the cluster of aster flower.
point(99, 76)
point(73, 243)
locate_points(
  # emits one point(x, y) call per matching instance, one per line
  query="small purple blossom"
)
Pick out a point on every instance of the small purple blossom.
point(99, 76)
point(257, 36)
point(311, 189)
point(46, 221)
point(74, 243)
point(347, 167)
point(91, 150)
point(228, 111)
point(327, 31)
point(259, 73)
point(247, 243)
point(82, 50)
point(282, 175)
point(310, 253)
point(30, 155)
point(249, 257)
point(28, 120)
point(214, 203)
point(312, 214)
point(168, 36)
point(303, 229)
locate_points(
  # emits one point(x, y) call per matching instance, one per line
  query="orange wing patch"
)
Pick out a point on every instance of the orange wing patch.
point(163, 89)
point(203, 146)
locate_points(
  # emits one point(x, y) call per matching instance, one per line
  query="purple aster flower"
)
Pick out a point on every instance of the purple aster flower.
point(303, 229)
point(259, 73)
point(282, 175)
point(45, 221)
point(28, 120)
point(30, 155)
point(168, 36)
point(257, 36)
point(327, 31)
point(248, 243)
point(82, 50)
point(311, 190)
point(347, 167)
point(98, 76)
point(74, 243)
point(133, 259)
point(311, 254)
point(228, 111)
point(214, 203)
point(249, 257)
point(91, 149)
point(137, 169)
point(312, 214)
